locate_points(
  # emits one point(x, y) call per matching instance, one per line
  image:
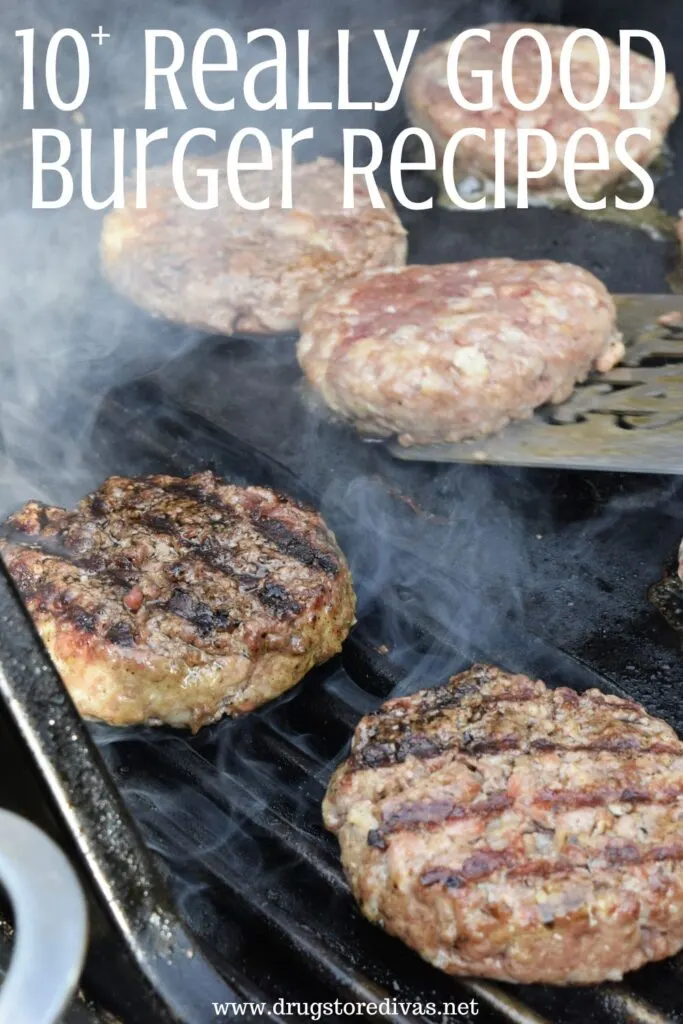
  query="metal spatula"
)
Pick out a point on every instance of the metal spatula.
point(629, 419)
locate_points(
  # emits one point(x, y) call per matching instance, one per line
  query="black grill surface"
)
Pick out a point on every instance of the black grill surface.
point(234, 813)
point(541, 572)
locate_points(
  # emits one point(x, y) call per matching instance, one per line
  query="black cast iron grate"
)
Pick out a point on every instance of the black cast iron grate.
point(233, 814)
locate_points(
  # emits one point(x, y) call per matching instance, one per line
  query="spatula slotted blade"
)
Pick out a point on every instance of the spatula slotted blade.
point(630, 419)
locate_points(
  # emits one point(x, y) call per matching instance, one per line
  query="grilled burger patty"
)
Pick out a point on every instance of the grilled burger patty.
point(431, 106)
point(511, 831)
point(453, 351)
point(229, 269)
point(171, 600)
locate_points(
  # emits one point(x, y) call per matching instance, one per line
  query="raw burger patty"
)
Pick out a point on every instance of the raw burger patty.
point(231, 269)
point(173, 600)
point(442, 353)
point(431, 106)
point(510, 831)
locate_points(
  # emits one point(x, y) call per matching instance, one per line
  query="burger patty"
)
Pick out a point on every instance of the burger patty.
point(510, 831)
point(454, 351)
point(431, 106)
point(178, 600)
point(230, 269)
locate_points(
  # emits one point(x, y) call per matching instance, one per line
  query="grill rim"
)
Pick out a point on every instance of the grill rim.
point(119, 866)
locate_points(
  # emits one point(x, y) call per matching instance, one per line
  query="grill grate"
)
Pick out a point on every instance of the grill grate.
point(244, 853)
point(253, 789)
point(234, 813)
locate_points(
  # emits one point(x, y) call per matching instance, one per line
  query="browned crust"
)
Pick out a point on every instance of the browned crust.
point(177, 600)
point(515, 832)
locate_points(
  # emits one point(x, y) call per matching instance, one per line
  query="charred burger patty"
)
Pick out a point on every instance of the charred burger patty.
point(178, 600)
point(511, 831)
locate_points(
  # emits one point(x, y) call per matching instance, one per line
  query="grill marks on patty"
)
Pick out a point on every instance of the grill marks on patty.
point(430, 813)
point(160, 601)
point(486, 863)
point(473, 816)
point(292, 545)
point(272, 596)
point(382, 755)
point(179, 534)
point(461, 724)
point(456, 720)
point(35, 582)
point(414, 816)
point(209, 550)
point(203, 618)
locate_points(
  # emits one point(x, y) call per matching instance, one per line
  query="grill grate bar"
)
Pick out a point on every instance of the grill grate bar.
point(510, 1008)
point(298, 922)
point(253, 839)
point(228, 791)
point(225, 798)
point(617, 1000)
point(332, 967)
point(329, 965)
point(283, 750)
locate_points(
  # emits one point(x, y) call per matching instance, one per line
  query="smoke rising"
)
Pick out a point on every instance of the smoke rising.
point(485, 554)
point(65, 338)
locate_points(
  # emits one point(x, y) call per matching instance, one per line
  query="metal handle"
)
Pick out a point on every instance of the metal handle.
point(51, 924)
